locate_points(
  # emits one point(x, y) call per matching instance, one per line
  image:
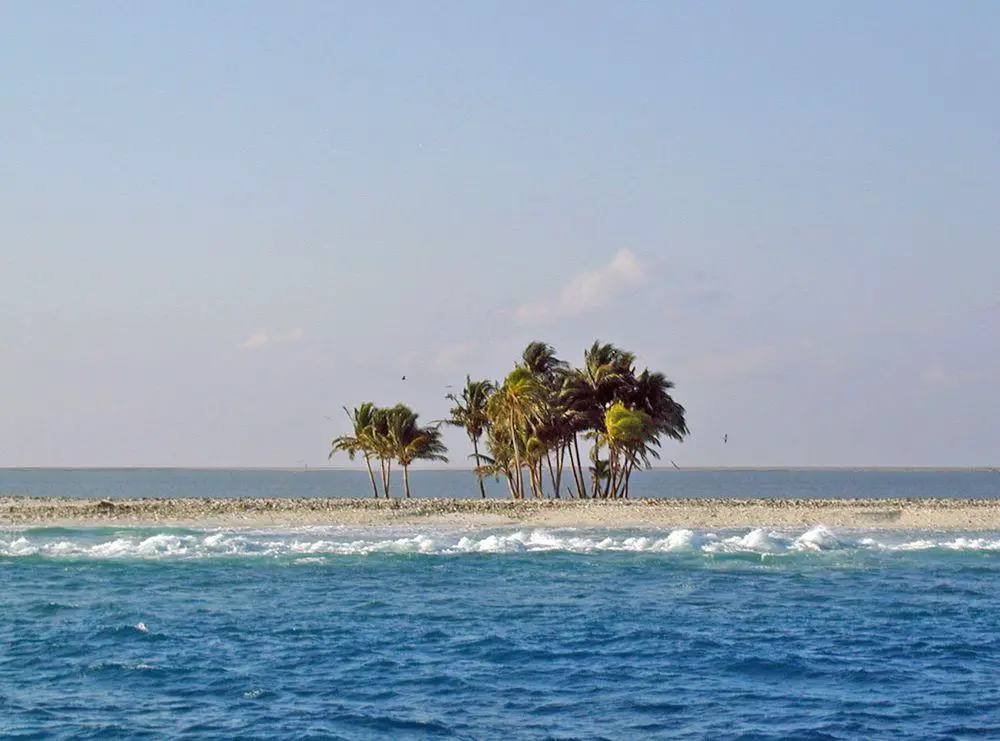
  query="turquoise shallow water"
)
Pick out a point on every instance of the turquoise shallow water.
point(412, 633)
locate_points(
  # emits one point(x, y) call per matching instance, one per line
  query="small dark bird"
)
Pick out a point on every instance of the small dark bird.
point(404, 378)
point(725, 438)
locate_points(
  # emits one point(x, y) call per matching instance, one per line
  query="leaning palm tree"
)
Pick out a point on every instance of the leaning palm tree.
point(361, 441)
point(649, 392)
point(540, 358)
point(381, 443)
point(411, 442)
point(628, 434)
point(550, 440)
point(469, 413)
point(513, 411)
point(588, 392)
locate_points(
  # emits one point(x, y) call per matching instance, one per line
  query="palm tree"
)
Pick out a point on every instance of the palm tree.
point(411, 442)
point(381, 444)
point(532, 420)
point(587, 393)
point(550, 439)
point(540, 358)
point(650, 392)
point(361, 441)
point(469, 413)
point(501, 459)
point(513, 410)
point(428, 446)
point(628, 435)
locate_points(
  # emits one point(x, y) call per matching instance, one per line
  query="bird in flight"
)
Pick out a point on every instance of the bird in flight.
point(404, 378)
point(725, 438)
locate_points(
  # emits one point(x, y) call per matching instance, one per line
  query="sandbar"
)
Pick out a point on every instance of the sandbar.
point(928, 514)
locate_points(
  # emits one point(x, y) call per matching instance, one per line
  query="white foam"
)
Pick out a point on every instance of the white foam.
point(316, 545)
point(755, 541)
point(818, 538)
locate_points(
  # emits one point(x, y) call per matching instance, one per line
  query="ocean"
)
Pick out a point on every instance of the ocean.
point(498, 633)
point(121, 483)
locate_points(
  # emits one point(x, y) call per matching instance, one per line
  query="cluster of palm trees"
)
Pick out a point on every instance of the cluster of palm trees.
point(525, 429)
point(389, 434)
point(534, 420)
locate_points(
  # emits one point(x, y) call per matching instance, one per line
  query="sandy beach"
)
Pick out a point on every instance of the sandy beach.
point(936, 514)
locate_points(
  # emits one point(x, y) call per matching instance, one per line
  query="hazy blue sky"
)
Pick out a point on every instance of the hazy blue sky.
point(221, 221)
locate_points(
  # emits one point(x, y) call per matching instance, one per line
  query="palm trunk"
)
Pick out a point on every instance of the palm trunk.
point(510, 483)
point(475, 453)
point(618, 481)
point(371, 475)
point(406, 479)
point(628, 477)
point(552, 475)
point(582, 482)
point(577, 467)
point(595, 477)
point(560, 463)
point(575, 492)
point(610, 490)
point(386, 476)
point(519, 482)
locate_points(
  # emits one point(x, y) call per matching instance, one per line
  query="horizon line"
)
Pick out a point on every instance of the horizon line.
point(449, 469)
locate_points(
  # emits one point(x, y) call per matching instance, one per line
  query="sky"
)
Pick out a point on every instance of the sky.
point(222, 222)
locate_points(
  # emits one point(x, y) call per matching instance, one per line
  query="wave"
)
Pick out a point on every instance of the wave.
point(316, 545)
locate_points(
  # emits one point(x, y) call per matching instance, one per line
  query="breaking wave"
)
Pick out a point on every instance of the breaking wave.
point(315, 545)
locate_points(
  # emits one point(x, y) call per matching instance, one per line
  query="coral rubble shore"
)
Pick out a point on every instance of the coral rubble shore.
point(937, 514)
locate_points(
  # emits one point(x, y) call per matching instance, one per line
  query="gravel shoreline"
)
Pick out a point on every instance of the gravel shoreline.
point(932, 514)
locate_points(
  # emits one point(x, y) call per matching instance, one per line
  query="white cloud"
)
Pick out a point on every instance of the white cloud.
point(587, 291)
point(261, 339)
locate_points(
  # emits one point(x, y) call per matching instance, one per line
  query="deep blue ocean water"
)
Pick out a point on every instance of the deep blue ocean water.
point(413, 633)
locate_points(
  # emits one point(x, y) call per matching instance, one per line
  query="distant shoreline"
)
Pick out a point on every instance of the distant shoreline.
point(875, 514)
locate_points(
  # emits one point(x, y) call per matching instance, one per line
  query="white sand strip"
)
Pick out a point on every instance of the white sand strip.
point(934, 514)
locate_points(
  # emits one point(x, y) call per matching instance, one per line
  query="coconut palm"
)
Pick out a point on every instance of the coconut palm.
point(550, 442)
point(361, 441)
point(586, 394)
point(381, 443)
point(650, 393)
point(513, 410)
point(532, 420)
point(412, 442)
point(469, 413)
point(540, 358)
point(500, 462)
point(628, 434)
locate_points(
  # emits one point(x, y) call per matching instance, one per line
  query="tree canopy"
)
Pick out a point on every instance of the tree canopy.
point(533, 422)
